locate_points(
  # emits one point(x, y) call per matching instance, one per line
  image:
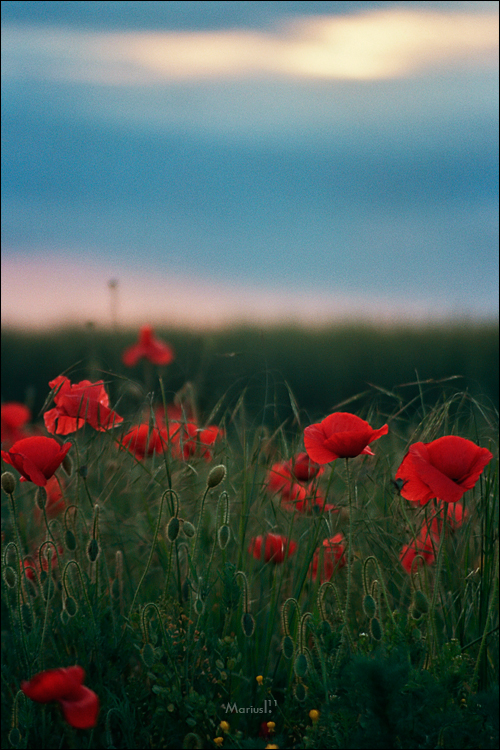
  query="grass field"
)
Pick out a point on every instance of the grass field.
point(213, 598)
point(322, 368)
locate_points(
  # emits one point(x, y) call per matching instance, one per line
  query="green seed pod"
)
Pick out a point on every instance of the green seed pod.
point(288, 647)
point(71, 606)
point(70, 540)
point(248, 624)
point(300, 666)
point(376, 629)
point(420, 601)
point(93, 550)
point(10, 577)
point(148, 655)
point(8, 483)
point(188, 529)
point(415, 613)
point(369, 606)
point(216, 476)
point(199, 606)
point(300, 692)
point(223, 536)
point(173, 528)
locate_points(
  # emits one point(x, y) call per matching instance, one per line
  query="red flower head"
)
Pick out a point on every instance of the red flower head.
point(275, 547)
point(333, 558)
point(149, 347)
point(36, 458)
point(77, 404)
point(445, 469)
point(280, 479)
point(304, 469)
point(424, 545)
point(138, 442)
point(315, 503)
point(14, 417)
point(80, 705)
point(341, 435)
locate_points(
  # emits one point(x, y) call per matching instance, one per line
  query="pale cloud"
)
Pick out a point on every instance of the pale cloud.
point(50, 290)
point(377, 45)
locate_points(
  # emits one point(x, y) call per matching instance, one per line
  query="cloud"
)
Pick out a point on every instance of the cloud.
point(54, 291)
point(376, 45)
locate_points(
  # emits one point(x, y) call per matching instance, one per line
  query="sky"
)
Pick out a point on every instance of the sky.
point(261, 162)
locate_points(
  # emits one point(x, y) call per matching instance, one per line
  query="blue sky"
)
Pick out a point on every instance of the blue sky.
point(302, 161)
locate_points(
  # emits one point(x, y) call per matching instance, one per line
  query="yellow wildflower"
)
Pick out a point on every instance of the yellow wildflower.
point(259, 679)
point(314, 715)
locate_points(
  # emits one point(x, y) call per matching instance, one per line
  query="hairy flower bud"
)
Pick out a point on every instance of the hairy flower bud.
point(8, 483)
point(216, 476)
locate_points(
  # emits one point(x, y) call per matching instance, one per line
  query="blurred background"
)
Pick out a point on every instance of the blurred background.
point(220, 167)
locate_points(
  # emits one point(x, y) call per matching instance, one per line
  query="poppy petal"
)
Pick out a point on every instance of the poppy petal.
point(81, 709)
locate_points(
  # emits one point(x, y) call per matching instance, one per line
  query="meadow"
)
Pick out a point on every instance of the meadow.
point(250, 539)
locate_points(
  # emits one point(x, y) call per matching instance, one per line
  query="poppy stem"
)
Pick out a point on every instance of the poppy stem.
point(349, 552)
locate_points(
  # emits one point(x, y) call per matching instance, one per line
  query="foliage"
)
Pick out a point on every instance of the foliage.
point(179, 627)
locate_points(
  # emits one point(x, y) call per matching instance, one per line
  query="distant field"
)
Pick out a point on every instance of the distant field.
point(322, 368)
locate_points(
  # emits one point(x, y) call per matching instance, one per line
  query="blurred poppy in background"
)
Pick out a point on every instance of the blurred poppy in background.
point(149, 347)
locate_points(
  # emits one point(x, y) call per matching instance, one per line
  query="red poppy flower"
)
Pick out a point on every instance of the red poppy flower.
point(77, 404)
point(13, 418)
point(79, 704)
point(36, 458)
point(149, 347)
point(143, 441)
point(341, 435)
point(304, 469)
point(186, 438)
point(425, 544)
point(280, 479)
point(333, 558)
point(274, 545)
point(33, 562)
point(55, 503)
point(315, 503)
point(445, 469)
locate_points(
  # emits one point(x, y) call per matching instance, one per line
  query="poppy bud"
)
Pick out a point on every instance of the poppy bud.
point(173, 527)
point(287, 646)
point(376, 629)
point(369, 606)
point(10, 576)
point(300, 666)
point(216, 476)
point(223, 536)
point(67, 465)
point(420, 602)
point(93, 550)
point(70, 539)
point(188, 529)
point(8, 483)
point(300, 692)
point(248, 624)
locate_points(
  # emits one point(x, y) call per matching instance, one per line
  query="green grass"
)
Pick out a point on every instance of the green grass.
point(170, 631)
point(323, 368)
